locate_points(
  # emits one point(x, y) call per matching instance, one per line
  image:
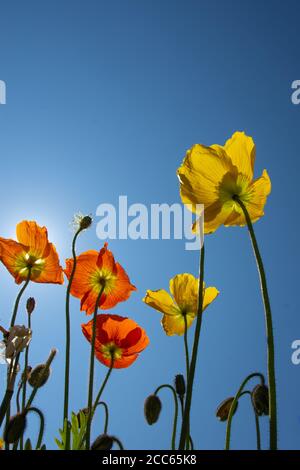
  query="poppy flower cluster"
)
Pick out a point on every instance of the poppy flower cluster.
point(218, 177)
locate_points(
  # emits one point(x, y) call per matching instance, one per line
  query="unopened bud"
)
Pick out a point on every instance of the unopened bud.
point(103, 442)
point(152, 409)
point(223, 409)
point(39, 376)
point(86, 222)
point(30, 305)
point(180, 385)
point(260, 399)
point(15, 428)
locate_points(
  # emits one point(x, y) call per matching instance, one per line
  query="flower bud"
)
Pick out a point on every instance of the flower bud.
point(223, 409)
point(86, 222)
point(30, 305)
point(152, 409)
point(39, 376)
point(103, 442)
point(260, 399)
point(15, 428)
point(180, 385)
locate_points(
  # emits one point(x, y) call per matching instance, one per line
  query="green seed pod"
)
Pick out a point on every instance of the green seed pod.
point(152, 409)
point(15, 428)
point(223, 409)
point(39, 376)
point(30, 305)
point(103, 442)
point(260, 399)
point(180, 385)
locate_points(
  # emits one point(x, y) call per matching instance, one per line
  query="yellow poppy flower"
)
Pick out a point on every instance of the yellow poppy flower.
point(182, 303)
point(215, 175)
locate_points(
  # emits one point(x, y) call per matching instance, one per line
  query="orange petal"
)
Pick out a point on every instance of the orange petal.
point(9, 253)
point(52, 272)
point(35, 237)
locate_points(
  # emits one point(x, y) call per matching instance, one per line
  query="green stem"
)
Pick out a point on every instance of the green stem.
point(117, 441)
point(25, 376)
point(97, 401)
point(258, 445)
point(247, 392)
point(91, 374)
point(42, 425)
point(173, 441)
point(187, 361)
point(189, 392)
point(234, 403)
point(17, 301)
point(102, 403)
point(68, 328)
point(18, 397)
point(186, 348)
point(269, 330)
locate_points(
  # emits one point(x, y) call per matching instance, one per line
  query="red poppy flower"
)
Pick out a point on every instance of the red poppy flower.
point(116, 337)
point(94, 272)
point(31, 252)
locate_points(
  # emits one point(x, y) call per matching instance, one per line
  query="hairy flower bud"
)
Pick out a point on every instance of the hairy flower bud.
point(15, 428)
point(260, 399)
point(30, 305)
point(152, 409)
point(180, 385)
point(103, 442)
point(39, 376)
point(223, 409)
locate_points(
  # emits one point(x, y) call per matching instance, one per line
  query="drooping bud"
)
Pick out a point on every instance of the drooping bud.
point(180, 385)
point(223, 409)
point(15, 428)
point(30, 305)
point(103, 442)
point(39, 375)
point(152, 409)
point(260, 399)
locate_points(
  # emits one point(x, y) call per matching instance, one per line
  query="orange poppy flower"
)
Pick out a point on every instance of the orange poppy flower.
point(31, 252)
point(96, 271)
point(117, 337)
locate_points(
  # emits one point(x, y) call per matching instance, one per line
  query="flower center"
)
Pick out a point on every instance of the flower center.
point(27, 261)
point(103, 278)
point(232, 186)
point(111, 350)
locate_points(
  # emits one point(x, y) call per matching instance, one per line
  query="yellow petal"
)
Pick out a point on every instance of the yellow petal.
point(210, 294)
point(241, 149)
point(175, 325)
point(200, 174)
point(184, 288)
point(161, 301)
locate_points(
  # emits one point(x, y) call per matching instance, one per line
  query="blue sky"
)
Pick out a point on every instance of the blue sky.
point(103, 99)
